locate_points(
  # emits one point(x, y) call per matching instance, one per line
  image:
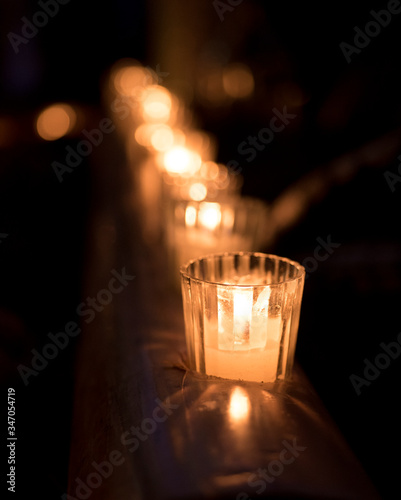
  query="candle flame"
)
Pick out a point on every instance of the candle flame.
point(243, 301)
point(144, 133)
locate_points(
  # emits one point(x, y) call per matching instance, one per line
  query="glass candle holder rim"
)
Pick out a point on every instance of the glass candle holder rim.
point(301, 269)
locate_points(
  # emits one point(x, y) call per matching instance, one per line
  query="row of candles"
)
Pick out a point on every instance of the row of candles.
point(241, 308)
point(187, 197)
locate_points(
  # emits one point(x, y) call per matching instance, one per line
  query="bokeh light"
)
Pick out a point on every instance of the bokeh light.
point(55, 121)
point(209, 215)
point(180, 160)
point(238, 81)
point(129, 78)
point(197, 191)
point(156, 104)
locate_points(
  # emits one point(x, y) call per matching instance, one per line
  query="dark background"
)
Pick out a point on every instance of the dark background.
point(351, 300)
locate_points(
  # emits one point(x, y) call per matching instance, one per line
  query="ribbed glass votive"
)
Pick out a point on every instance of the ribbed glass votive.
point(241, 314)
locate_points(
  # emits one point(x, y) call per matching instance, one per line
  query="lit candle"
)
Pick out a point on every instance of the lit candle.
point(125, 86)
point(241, 314)
point(248, 337)
point(195, 229)
point(203, 228)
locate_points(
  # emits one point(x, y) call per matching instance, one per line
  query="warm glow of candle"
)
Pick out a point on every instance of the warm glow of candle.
point(144, 133)
point(158, 136)
point(197, 191)
point(130, 78)
point(241, 312)
point(55, 121)
point(247, 329)
point(201, 142)
point(248, 340)
point(190, 216)
point(162, 138)
point(180, 160)
point(209, 215)
point(203, 227)
point(156, 104)
point(209, 170)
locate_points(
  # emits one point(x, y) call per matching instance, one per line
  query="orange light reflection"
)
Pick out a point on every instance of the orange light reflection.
point(239, 408)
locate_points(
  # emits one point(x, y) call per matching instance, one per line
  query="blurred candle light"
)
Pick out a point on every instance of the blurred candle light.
point(209, 215)
point(55, 121)
point(129, 77)
point(209, 170)
point(156, 103)
point(158, 137)
point(197, 191)
point(180, 160)
point(162, 138)
point(190, 216)
point(238, 81)
point(201, 142)
point(219, 85)
point(195, 228)
point(126, 82)
point(143, 134)
point(212, 181)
